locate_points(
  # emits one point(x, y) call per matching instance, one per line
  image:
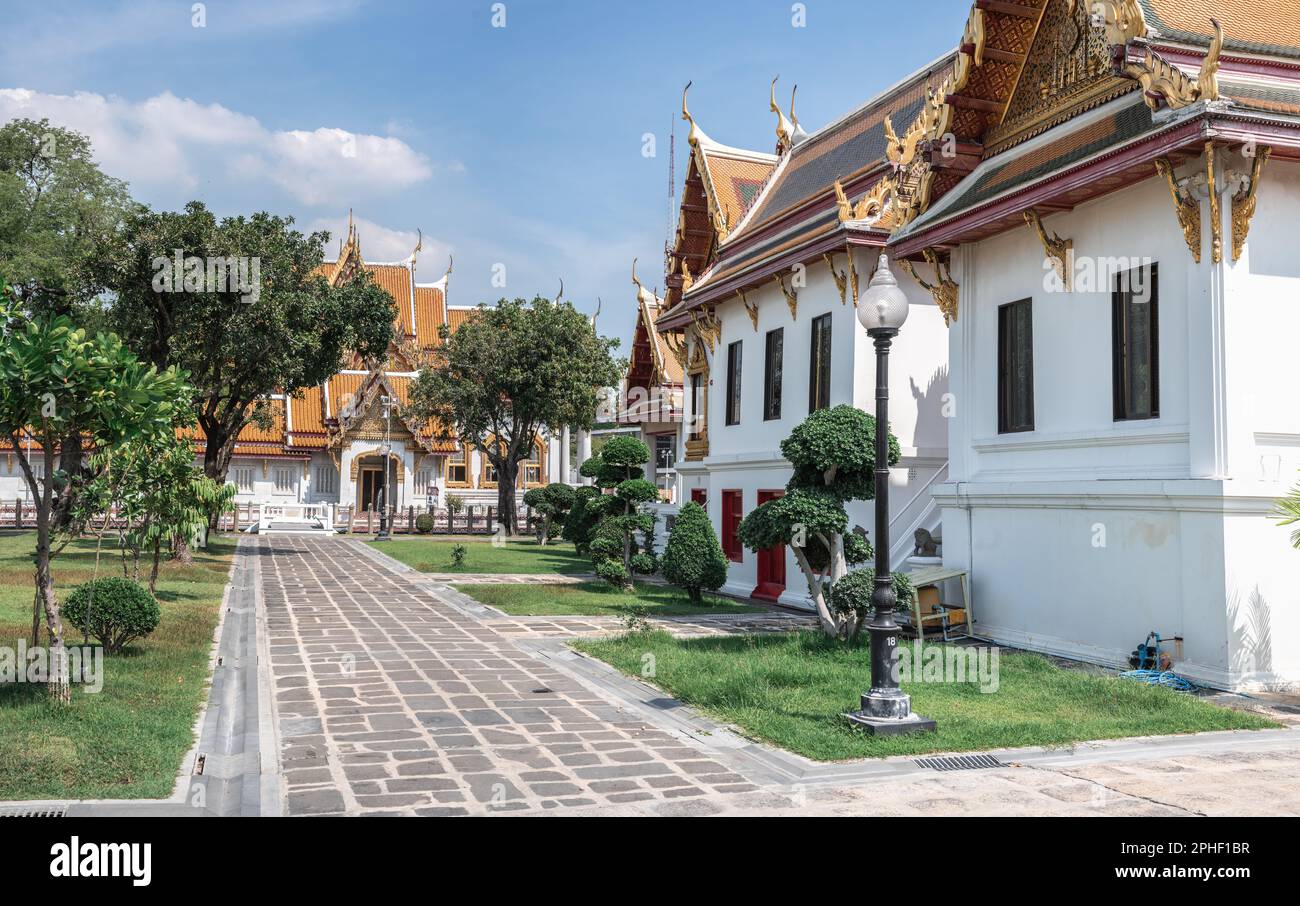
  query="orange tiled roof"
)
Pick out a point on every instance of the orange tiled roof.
point(1258, 26)
point(430, 313)
point(736, 181)
point(458, 316)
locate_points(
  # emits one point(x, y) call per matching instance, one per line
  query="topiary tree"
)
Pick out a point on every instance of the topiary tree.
point(553, 501)
point(424, 523)
point(114, 611)
point(832, 454)
point(693, 558)
point(588, 509)
point(619, 466)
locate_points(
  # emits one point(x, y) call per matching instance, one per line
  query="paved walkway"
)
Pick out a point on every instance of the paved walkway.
point(392, 698)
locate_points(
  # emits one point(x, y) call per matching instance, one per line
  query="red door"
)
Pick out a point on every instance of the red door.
point(700, 496)
point(771, 561)
point(732, 512)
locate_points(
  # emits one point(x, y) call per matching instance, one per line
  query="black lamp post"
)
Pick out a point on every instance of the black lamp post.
point(386, 450)
point(886, 709)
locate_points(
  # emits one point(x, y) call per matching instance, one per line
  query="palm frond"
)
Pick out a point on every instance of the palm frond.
point(1287, 512)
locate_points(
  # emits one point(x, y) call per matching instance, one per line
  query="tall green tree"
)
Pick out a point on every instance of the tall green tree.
point(54, 375)
point(834, 460)
point(511, 370)
point(277, 327)
point(59, 213)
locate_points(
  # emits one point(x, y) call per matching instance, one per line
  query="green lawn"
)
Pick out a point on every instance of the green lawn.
point(597, 599)
point(430, 555)
point(791, 689)
point(126, 741)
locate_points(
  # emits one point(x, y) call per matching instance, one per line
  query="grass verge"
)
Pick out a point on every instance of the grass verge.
point(482, 556)
point(791, 689)
point(598, 599)
point(126, 741)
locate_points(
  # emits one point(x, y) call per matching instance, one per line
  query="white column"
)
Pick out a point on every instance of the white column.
point(564, 456)
point(584, 452)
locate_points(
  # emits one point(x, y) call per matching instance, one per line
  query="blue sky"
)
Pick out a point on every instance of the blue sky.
point(518, 145)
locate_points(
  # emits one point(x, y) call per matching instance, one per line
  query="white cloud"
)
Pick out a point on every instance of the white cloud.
point(381, 243)
point(168, 145)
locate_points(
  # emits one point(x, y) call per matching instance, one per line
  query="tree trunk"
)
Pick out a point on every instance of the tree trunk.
point(57, 684)
point(70, 453)
point(216, 461)
point(180, 550)
point(507, 474)
point(153, 573)
point(546, 530)
point(830, 626)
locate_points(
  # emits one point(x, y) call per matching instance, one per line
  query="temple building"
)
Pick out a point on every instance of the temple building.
point(1089, 207)
point(325, 444)
point(651, 395)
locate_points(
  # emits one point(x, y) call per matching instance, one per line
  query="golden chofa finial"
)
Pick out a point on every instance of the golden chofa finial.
point(634, 279)
point(794, 120)
point(449, 263)
point(782, 124)
point(694, 135)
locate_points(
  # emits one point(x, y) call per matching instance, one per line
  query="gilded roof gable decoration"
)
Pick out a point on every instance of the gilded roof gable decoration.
point(1162, 81)
point(1067, 71)
point(1121, 20)
point(784, 130)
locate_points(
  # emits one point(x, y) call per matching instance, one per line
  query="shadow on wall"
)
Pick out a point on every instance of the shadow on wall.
point(931, 424)
point(1250, 630)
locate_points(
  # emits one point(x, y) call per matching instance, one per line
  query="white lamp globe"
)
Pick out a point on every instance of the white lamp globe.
point(884, 306)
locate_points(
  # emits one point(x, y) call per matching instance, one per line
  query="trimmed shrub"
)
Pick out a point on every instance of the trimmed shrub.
point(113, 610)
point(588, 508)
point(458, 552)
point(693, 558)
point(645, 564)
point(424, 523)
point(852, 594)
point(613, 572)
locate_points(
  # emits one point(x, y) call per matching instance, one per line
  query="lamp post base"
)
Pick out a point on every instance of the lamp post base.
point(889, 713)
point(891, 726)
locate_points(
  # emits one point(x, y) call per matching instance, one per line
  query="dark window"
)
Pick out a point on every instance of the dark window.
point(732, 513)
point(772, 374)
point(665, 451)
point(1016, 367)
point(697, 405)
point(733, 383)
point(1136, 344)
point(819, 377)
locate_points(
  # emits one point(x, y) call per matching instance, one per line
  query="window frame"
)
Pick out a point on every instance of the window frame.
point(1121, 349)
point(819, 367)
point(773, 377)
point(735, 365)
point(1005, 366)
